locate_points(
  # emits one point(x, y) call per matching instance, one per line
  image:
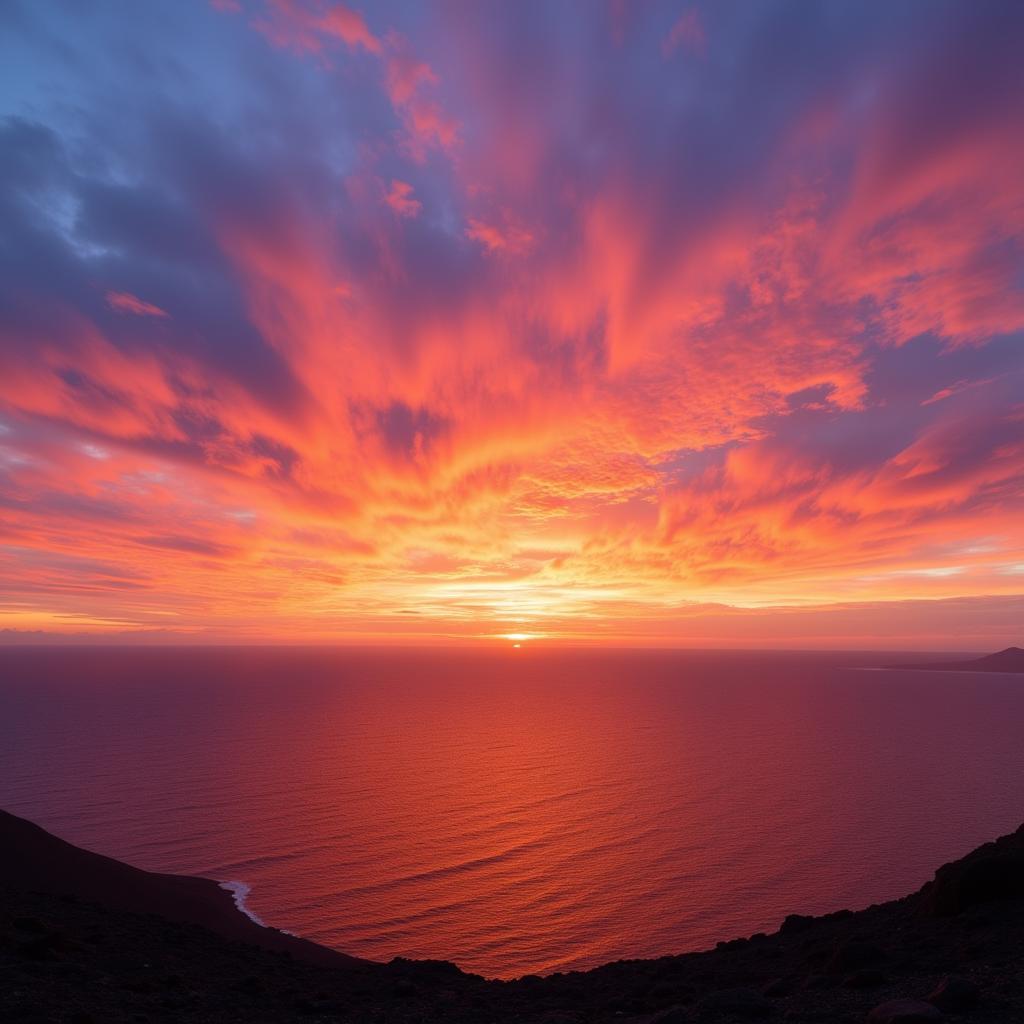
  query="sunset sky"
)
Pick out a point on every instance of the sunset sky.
point(612, 321)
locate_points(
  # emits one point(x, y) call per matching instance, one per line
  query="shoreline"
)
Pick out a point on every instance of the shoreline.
point(239, 893)
point(80, 946)
point(44, 862)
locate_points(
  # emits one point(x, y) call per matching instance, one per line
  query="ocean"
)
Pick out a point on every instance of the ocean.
point(515, 811)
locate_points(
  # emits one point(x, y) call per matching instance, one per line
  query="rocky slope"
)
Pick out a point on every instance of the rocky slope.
point(72, 951)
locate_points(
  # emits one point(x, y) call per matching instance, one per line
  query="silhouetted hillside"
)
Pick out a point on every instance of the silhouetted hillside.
point(72, 949)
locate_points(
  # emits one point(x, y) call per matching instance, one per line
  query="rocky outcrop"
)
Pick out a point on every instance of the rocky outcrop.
point(994, 873)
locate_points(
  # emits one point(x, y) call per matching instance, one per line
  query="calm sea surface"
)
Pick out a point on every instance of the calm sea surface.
point(515, 811)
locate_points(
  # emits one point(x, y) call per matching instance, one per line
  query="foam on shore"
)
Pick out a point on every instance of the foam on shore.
point(239, 892)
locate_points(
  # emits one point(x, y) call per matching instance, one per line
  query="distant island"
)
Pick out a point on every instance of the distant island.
point(1010, 660)
point(86, 939)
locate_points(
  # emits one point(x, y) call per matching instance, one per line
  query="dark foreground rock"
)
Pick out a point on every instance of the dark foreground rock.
point(904, 1011)
point(955, 995)
point(952, 952)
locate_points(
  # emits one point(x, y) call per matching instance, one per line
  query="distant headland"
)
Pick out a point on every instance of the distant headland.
point(1009, 660)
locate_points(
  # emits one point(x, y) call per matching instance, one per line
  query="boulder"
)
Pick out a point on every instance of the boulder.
point(777, 988)
point(673, 1015)
point(954, 994)
point(853, 955)
point(904, 1011)
point(745, 1003)
point(795, 923)
point(866, 977)
point(995, 876)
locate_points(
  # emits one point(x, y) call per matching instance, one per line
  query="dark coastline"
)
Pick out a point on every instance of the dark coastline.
point(42, 862)
point(84, 938)
point(1010, 660)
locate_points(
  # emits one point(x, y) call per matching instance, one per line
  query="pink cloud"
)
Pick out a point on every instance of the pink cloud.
point(505, 238)
point(956, 389)
point(125, 302)
point(405, 73)
point(686, 33)
point(400, 199)
point(426, 124)
point(303, 24)
point(350, 26)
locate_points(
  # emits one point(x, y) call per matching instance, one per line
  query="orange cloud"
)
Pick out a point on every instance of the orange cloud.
point(645, 373)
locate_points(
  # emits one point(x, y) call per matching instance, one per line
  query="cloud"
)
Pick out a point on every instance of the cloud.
point(350, 26)
point(509, 239)
point(401, 200)
point(405, 73)
point(669, 348)
point(124, 302)
point(309, 27)
point(306, 25)
point(957, 388)
point(686, 33)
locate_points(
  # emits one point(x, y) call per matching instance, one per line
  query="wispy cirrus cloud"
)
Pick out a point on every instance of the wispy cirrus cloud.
point(124, 302)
